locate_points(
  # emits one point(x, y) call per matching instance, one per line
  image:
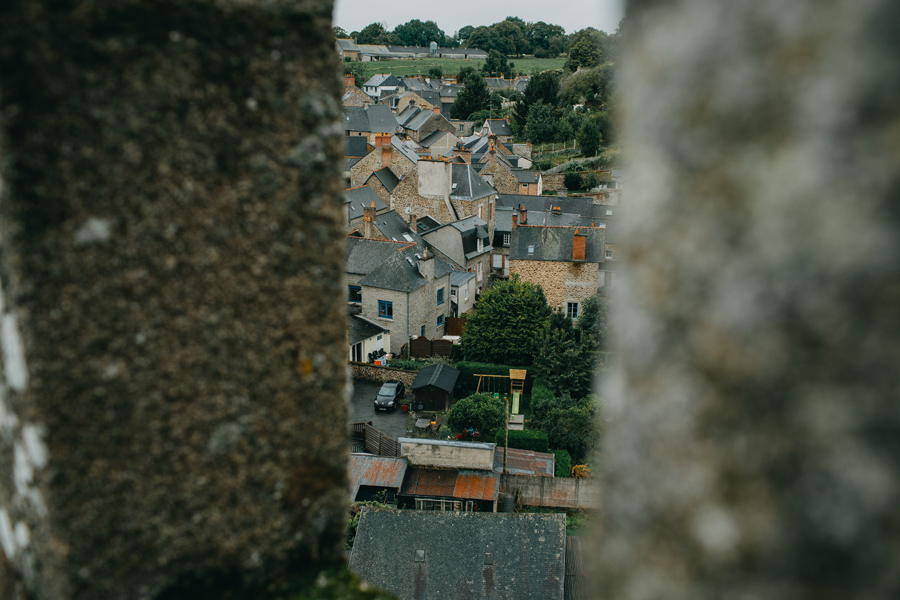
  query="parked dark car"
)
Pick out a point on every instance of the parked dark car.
point(389, 395)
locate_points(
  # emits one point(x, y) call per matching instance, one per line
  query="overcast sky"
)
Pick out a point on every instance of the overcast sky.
point(451, 15)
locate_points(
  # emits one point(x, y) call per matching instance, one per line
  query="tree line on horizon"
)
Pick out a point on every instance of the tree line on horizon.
point(510, 37)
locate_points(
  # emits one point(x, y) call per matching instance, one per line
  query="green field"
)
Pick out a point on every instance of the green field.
point(420, 66)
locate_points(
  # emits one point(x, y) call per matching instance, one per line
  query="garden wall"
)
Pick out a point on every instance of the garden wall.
point(552, 492)
point(370, 372)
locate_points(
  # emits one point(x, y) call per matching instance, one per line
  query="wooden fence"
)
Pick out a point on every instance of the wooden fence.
point(422, 347)
point(376, 442)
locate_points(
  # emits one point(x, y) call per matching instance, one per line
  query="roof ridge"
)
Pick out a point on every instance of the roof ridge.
point(355, 237)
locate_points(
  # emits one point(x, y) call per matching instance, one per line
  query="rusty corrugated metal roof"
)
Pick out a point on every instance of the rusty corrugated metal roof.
point(477, 485)
point(429, 482)
point(525, 462)
point(375, 471)
point(444, 483)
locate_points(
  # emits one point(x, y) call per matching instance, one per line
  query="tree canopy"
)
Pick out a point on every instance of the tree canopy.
point(507, 324)
point(474, 96)
point(417, 33)
point(375, 33)
point(481, 412)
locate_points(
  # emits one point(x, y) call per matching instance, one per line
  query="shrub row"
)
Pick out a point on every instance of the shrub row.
point(563, 463)
point(527, 439)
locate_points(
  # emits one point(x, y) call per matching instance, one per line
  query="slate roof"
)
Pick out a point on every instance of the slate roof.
point(450, 90)
point(387, 178)
point(360, 197)
point(525, 176)
point(498, 126)
point(503, 219)
point(418, 121)
point(362, 328)
point(399, 271)
point(347, 45)
point(376, 118)
point(375, 471)
point(404, 149)
point(579, 584)
point(349, 162)
point(433, 137)
point(447, 555)
point(355, 146)
point(395, 227)
point(460, 278)
point(363, 255)
point(438, 375)
point(555, 243)
point(467, 184)
point(415, 84)
point(426, 224)
point(582, 206)
point(408, 114)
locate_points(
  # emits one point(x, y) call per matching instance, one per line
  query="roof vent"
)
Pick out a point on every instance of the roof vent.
point(420, 556)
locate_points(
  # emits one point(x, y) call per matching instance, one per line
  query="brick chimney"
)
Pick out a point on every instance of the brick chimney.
point(579, 246)
point(508, 120)
point(437, 110)
point(515, 221)
point(386, 150)
point(369, 220)
point(414, 223)
point(493, 140)
point(523, 214)
point(349, 80)
point(463, 152)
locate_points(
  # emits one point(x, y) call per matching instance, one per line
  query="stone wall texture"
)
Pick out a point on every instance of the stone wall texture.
point(370, 372)
point(752, 435)
point(561, 281)
point(173, 335)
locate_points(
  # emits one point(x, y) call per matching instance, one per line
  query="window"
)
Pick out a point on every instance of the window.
point(466, 292)
point(438, 504)
point(354, 293)
point(440, 296)
point(440, 321)
point(609, 254)
point(479, 244)
point(452, 294)
point(480, 209)
point(530, 248)
point(356, 352)
point(608, 213)
point(385, 309)
point(572, 310)
point(422, 331)
point(478, 273)
point(506, 237)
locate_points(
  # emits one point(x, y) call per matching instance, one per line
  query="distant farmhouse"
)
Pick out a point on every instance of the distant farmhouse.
point(349, 50)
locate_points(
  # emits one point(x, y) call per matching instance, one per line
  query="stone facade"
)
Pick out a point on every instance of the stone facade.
point(374, 160)
point(562, 281)
point(499, 175)
point(369, 372)
point(173, 336)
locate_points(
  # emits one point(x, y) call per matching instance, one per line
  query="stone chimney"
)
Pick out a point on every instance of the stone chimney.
point(414, 223)
point(437, 110)
point(493, 140)
point(515, 221)
point(369, 221)
point(349, 80)
point(579, 246)
point(523, 215)
point(386, 150)
point(463, 152)
point(426, 266)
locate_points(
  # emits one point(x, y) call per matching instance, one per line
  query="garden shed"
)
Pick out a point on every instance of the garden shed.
point(433, 387)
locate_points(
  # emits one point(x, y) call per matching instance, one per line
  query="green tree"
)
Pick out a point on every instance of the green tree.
point(545, 40)
point(508, 38)
point(594, 322)
point(543, 87)
point(463, 34)
point(542, 124)
point(573, 181)
point(472, 97)
point(339, 32)
point(589, 137)
point(375, 33)
point(583, 54)
point(507, 324)
point(417, 33)
point(481, 38)
point(566, 366)
point(495, 65)
point(481, 412)
point(574, 429)
point(436, 72)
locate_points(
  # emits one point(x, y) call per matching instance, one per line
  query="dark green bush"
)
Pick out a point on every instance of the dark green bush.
point(527, 439)
point(573, 181)
point(590, 181)
point(563, 463)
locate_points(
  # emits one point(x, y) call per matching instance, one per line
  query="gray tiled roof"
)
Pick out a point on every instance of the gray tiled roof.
point(347, 45)
point(356, 145)
point(498, 126)
point(381, 118)
point(362, 328)
point(404, 149)
point(525, 176)
point(395, 227)
point(433, 137)
point(503, 219)
point(469, 185)
point(491, 556)
point(555, 244)
point(360, 197)
point(363, 256)
point(419, 120)
point(408, 114)
point(458, 278)
point(399, 271)
point(387, 178)
point(438, 375)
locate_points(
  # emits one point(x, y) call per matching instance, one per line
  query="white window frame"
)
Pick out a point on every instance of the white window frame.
point(507, 237)
point(478, 272)
point(572, 310)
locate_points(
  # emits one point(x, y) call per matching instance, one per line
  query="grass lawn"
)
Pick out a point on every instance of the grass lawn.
point(420, 66)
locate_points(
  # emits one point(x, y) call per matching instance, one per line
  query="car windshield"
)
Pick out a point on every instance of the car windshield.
point(388, 389)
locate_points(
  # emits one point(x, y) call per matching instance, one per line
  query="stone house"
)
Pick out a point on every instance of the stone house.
point(421, 122)
point(499, 170)
point(360, 198)
point(404, 100)
point(499, 127)
point(564, 261)
point(347, 49)
point(445, 191)
point(467, 243)
point(389, 151)
point(400, 286)
point(369, 121)
point(439, 143)
point(383, 181)
point(353, 96)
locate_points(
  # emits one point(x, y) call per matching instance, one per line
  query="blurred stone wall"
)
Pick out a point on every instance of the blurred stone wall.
point(752, 439)
point(172, 415)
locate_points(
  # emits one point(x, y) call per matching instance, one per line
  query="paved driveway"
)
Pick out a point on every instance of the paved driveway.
point(362, 410)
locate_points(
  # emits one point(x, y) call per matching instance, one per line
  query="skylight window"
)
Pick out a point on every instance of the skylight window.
point(530, 249)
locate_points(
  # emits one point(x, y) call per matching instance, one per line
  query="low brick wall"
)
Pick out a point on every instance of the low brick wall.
point(370, 372)
point(552, 492)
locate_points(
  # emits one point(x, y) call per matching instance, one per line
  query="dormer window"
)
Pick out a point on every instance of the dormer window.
point(506, 238)
point(479, 245)
point(531, 249)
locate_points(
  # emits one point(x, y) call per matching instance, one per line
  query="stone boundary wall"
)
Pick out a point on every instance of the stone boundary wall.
point(553, 492)
point(370, 372)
